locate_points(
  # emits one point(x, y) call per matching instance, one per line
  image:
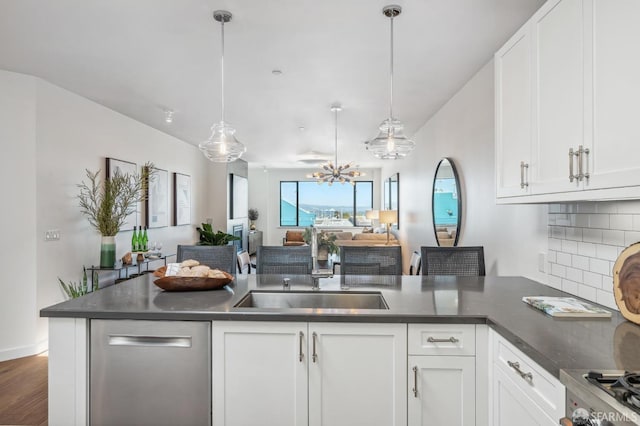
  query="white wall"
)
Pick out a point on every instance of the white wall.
point(56, 135)
point(463, 130)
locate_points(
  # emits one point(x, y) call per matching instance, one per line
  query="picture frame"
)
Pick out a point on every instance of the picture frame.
point(239, 196)
point(181, 199)
point(157, 200)
point(113, 166)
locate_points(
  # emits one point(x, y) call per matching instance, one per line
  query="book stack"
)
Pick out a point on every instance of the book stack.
point(567, 307)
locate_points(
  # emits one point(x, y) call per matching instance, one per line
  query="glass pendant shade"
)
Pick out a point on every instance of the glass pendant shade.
point(391, 143)
point(222, 146)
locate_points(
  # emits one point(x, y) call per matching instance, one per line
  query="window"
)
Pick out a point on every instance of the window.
point(307, 204)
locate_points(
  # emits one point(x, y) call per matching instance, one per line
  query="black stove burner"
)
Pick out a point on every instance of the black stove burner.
point(623, 386)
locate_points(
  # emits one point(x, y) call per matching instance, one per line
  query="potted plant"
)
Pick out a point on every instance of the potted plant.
point(210, 238)
point(326, 243)
point(253, 215)
point(108, 202)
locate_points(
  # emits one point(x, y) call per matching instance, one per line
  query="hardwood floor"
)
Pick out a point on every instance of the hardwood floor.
point(23, 391)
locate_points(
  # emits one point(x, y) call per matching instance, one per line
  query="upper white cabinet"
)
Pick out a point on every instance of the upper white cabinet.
point(565, 86)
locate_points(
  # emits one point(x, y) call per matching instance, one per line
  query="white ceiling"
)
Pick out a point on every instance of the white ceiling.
point(140, 57)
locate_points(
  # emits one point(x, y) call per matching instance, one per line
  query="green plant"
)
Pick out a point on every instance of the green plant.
point(253, 214)
point(107, 203)
point(209, 238)
point(325, 239)
point(75, 290)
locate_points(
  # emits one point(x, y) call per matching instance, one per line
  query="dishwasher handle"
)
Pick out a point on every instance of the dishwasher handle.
point(158, 341)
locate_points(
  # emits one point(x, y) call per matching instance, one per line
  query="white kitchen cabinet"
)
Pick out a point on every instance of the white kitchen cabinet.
point(273, 373)
point(442, 390)
point(259, 373)
point(357, 374)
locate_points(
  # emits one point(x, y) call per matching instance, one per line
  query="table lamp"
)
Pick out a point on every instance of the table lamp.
point(388, 217)
point(372, 215)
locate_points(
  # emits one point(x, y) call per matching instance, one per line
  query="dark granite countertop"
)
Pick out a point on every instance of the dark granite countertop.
point(602, 343)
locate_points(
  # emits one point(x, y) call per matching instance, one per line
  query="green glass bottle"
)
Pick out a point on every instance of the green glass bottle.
point(134, 240)
point(145, 241)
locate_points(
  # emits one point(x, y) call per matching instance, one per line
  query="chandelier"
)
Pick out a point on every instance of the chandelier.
point(331, 171)
point(391, 143)
point(222, 146)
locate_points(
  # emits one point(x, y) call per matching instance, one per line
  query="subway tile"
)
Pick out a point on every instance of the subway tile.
point(569, 246)
point(570, 286)
point(592, 279)
point(574, 234)
point(551, 256)
point(574, 274)
point(620, 221)
point(580, 262)
point(599, 266)
point(606, 298)
point(635, 222)
point(587, 292)
point(587, 249)
point(557, 232)
point(592, 235)
point(631, 237)
point(555, 244)
point(614, 238)
point(629, 206)
point(555, 282)
point(558, 270)
point(563, 259)
point(562, 219)
point(557, 208)
point(572, 207)
point(586, 207)
point(581, 220)
point(551, 219)
point(607, 283)
point(606, 252)
point(607, 207)
point(599, 221)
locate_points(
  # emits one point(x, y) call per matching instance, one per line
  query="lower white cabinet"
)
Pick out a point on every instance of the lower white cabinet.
point(442, 390)
point(512, 406)
point(328, 374)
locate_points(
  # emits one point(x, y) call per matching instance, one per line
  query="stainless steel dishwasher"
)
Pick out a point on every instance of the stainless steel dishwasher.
point(150, 373)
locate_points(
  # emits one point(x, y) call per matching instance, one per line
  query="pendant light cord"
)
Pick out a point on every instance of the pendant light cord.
point(222, 66)
point(336, 137)
point(391, 72)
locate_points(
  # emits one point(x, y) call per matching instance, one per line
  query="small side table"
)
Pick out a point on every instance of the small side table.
point(255, 240)
point(123, 271)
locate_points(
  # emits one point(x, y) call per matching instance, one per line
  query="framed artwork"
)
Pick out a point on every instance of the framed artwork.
point(124, 167)
point(157, 200)
point(239, 205)
point(181, 199)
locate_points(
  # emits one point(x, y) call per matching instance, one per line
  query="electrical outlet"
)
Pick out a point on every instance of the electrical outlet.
point(542, 262)
point(52, 235)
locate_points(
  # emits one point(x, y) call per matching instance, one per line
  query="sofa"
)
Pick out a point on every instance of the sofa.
point(363, 239)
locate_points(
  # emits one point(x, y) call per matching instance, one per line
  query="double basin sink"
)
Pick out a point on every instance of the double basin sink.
point(312, 300)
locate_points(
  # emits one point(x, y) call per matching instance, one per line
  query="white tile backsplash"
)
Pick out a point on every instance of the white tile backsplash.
point(585, 239)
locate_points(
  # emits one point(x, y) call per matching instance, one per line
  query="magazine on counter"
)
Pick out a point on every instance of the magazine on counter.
point(567, 307)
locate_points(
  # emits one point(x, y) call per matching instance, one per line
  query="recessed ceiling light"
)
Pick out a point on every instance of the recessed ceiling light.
point(301, 128)
point(168, 116)
point(276, 72)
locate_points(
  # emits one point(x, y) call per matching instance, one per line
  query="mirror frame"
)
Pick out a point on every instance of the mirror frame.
point(433, 188)
point(388, 202)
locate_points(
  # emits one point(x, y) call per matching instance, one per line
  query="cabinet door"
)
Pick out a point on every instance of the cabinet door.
point(513, 114)
point(616, 36)
point(511, 406)
point(559, 82)
point(441, 390)
point(258, 376)
point(358, 376)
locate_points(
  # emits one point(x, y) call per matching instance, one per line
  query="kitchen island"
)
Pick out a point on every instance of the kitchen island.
point(414, 301)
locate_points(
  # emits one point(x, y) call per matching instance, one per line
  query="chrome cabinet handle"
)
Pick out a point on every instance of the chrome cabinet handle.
point(516, 366)
point(314, 356)
point(523, 183)
point(449, 340)
point(301, 353)
point(584, 156)
point(415, 382)
point(571, 155)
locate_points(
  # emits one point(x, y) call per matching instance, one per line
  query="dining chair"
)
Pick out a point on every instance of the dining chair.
point(367, 260)
point(244, 262)
point(415, 264)
point(215, 257)
point(283, 260)
point(463, 261)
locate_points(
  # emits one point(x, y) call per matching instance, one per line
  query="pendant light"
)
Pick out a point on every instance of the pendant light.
point(222, 146)
point(332, 172)
point(391, 143)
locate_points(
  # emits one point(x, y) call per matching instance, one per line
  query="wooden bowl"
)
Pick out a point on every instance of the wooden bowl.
point(626, 283)
point(192, 283)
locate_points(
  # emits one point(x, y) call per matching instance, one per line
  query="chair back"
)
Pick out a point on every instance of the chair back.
point(283, 260)
point(244, 262)
point(215, 257)
point(415, 264)
point(461, 261)
point(367, 260)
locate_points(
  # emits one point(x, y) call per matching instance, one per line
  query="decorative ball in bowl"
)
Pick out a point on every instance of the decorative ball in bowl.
point(192, 277)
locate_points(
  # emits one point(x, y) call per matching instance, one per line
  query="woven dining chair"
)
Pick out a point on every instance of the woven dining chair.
point(361, 260)
point(283, 260)
point(462, 261)
point(215, 257)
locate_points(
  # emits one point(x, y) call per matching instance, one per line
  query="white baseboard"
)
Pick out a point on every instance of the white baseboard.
point(22, 351)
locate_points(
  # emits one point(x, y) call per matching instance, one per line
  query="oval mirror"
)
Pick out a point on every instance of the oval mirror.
point(446, 204)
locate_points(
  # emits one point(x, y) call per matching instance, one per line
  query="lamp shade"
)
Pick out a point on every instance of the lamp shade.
point(388, 216)
point(372, 214)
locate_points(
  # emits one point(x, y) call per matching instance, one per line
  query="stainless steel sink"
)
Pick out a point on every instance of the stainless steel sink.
point(314, 300)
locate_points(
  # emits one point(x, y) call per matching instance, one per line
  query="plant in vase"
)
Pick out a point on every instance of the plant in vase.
point(326, 243)
point(253, 215)
point(108, 202)
point(210, 238)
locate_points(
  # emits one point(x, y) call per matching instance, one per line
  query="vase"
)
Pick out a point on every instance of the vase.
point(323, 253)
point(252, 226)
point(107, 252)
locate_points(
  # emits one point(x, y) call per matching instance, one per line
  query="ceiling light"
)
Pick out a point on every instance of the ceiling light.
point(168, 116)
point(222, 146)
point(391, 143)
point(276, 72)
point(332, 172)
